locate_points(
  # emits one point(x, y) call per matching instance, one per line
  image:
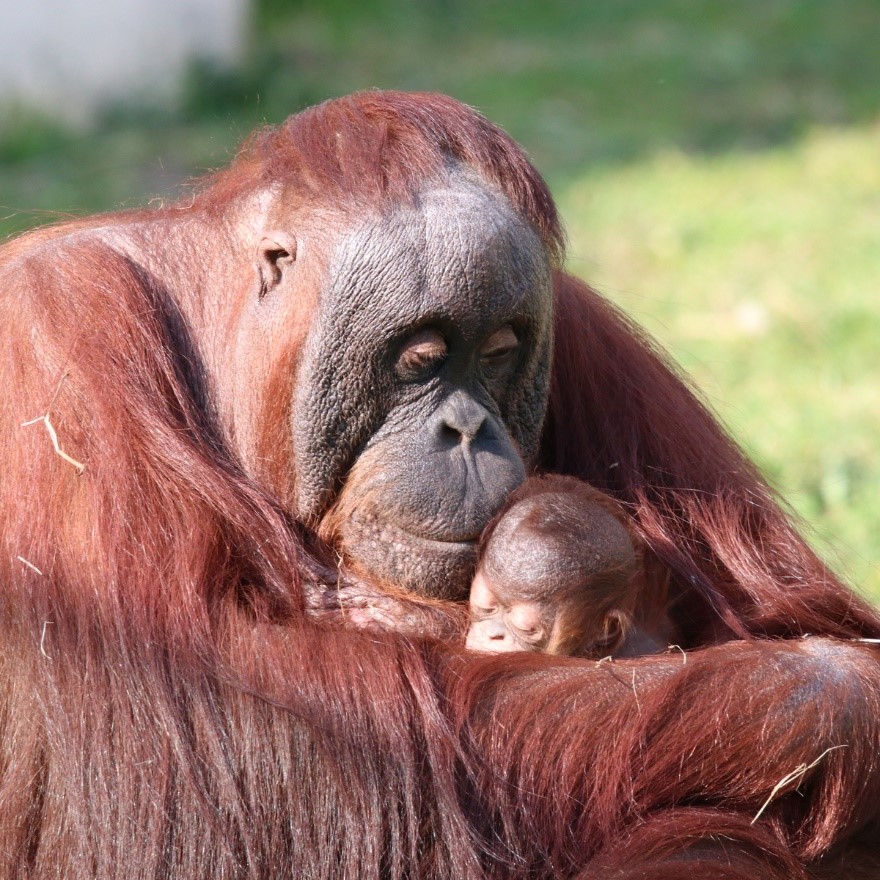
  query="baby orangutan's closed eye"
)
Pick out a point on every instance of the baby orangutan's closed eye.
point(499, 625)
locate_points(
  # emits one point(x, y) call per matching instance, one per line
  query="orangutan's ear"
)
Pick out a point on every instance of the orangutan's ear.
point(614, 627)
point(275, 253)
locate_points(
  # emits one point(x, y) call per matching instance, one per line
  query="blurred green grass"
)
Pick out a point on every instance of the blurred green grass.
point(716, 164)
point(759, 270)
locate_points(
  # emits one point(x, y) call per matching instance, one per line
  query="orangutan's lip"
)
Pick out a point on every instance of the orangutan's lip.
point(392, 532)
point(451, 541)
point(456, 552)
point(442, 543)
point(395, 555)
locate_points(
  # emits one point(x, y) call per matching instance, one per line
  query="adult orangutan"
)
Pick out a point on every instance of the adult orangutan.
point(350, 333)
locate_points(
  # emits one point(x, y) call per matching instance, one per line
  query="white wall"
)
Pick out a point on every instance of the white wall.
point(66, 57)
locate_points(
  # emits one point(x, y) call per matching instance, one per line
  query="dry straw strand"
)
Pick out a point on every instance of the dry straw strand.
point(797, 773)
point(80, 467)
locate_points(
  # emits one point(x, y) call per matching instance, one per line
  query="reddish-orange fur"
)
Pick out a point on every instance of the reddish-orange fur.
point(168, 710)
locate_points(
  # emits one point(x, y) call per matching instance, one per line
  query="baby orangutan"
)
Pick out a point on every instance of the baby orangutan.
point(557, 572)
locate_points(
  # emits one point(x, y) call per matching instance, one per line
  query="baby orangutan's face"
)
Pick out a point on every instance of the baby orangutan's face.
point(502, 622)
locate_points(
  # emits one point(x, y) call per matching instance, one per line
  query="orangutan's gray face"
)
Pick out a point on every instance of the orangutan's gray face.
point(423, 386)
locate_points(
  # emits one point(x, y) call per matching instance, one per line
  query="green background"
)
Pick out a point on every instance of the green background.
point(717, 164)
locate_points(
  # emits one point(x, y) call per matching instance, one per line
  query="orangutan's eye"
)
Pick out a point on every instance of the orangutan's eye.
point(499, 350)
point(532, 634)
point(524, 620)
point(420, 356)
point(480, 612)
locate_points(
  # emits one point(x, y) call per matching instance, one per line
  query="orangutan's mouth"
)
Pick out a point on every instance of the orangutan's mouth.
point(440, 543)
point(366, 525)
point(396, 537)
point(426, 565)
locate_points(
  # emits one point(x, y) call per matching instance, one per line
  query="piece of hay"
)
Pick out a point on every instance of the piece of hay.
point(797, 773)
point(80, 467)
point(684, 657)
point(29, 564)
point(43, 640)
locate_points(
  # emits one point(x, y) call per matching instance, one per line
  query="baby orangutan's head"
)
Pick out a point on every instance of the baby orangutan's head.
point(557, 572)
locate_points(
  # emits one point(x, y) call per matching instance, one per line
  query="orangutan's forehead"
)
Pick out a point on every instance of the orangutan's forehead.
point(459, 250)
point(527, 567)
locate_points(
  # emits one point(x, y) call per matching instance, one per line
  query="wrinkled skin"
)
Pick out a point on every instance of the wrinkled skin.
point(424, 380)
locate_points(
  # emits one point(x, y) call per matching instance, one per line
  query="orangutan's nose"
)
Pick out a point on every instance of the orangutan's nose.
point(461, 418)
